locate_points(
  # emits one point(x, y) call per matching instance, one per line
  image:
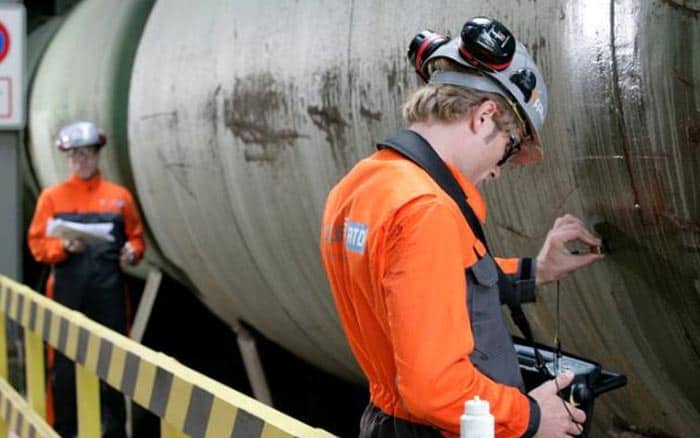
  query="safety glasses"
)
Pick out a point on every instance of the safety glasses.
point(512, 148)
point(514, 144)
point(83, 152)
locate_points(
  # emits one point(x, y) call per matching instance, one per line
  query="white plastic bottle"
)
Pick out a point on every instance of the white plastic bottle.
point(477, 421)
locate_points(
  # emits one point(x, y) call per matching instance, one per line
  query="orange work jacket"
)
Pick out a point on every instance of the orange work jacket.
point(82, 198)
point(89, 281)
point(395, 248)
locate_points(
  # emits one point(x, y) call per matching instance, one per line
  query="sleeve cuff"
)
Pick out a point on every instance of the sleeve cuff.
point(525, 283)
point(138, 247)
point(534, 422)
point(60, 251)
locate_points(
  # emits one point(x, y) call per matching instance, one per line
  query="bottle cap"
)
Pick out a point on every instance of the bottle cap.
point(476, 406)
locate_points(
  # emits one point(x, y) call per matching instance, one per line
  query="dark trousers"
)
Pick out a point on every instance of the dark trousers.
point(377, 424)
point(93, 287)
point(112, 407)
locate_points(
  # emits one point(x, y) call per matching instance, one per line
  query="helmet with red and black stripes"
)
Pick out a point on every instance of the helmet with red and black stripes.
point(496, 62)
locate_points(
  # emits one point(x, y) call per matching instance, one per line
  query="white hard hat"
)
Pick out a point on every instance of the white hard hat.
point(495, 62)
point(80, 134)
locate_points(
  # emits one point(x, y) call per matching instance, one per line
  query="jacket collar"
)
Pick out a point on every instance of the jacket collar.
point(474, 198)
point(86, 184)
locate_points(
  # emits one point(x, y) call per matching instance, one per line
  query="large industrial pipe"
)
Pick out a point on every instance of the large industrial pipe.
point(84, 74)
point(242, 115)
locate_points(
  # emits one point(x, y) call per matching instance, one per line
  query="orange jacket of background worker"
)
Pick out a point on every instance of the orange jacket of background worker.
point(86, 276)
point(416, 291)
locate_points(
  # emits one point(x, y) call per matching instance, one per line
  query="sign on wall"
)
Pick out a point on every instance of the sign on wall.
point(12, 65)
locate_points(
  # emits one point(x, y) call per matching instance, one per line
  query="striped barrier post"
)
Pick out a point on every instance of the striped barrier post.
point(17, 416)
point(188, 403)
point(87, 393)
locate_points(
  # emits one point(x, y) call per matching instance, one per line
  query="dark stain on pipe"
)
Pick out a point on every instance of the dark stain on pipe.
point(664, 299)
point(514, 231)
point(682, 223)
point(694, 136)
point(617, 98)
point(392, 77)
point(369, 114)
point(327, 116)
point(535, 48)
point(683, 7)
point(250, 115)
point(178, 170)
point(328, 120)
point(684, 80)
point(209, 110)
point(170, 114)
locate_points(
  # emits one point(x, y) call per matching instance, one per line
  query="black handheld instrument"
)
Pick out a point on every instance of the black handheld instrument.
point(591, 379)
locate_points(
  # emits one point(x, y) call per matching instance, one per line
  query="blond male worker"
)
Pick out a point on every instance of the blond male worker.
point(416, 289)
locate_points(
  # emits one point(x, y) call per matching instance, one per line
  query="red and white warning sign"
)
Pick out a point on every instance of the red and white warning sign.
point(12, 65)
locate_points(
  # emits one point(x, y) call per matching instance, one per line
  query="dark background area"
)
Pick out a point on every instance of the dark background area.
point(183, 328)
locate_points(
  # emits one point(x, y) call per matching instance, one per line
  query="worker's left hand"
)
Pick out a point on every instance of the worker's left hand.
point(555, 260)
point(128, 255)
point(558, 418)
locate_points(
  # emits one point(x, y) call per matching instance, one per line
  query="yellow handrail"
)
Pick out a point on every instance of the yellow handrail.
point(16, 415)
point(188, 403)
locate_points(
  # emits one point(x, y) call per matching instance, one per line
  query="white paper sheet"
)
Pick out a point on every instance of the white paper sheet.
point(90, 233)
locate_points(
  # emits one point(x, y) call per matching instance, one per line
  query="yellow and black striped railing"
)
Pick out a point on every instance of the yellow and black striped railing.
point(17, 416)
point(188, 403)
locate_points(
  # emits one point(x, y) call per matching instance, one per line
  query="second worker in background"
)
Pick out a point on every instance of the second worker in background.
point(86, 276)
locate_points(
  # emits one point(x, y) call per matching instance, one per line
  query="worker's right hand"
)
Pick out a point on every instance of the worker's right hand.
point(555, 421)
point(74, 246)
point(555, 261)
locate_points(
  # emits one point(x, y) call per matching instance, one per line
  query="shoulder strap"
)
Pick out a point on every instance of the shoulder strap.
point(413, 146)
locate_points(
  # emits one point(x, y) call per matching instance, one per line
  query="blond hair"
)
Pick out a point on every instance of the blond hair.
point(448, 103)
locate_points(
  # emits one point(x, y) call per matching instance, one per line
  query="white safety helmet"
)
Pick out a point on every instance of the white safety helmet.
point(497, 63)
point(80, 134)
